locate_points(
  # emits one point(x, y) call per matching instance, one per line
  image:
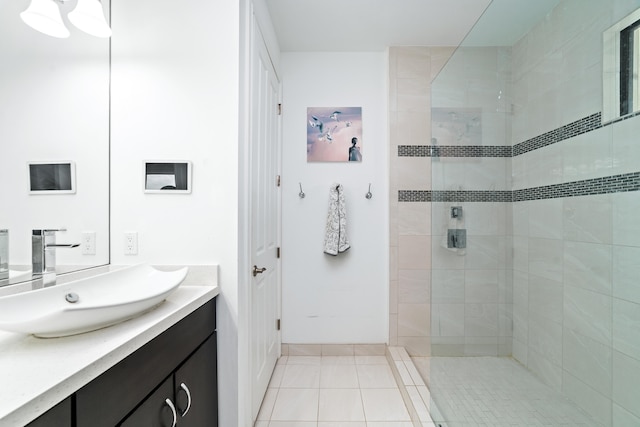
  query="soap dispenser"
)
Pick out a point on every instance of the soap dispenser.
point(4, 254)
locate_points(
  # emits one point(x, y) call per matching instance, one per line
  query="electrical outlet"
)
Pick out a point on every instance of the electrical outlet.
point(131, 243)
point(88, 243)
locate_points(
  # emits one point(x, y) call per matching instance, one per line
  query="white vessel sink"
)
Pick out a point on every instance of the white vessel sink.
point(88, 304)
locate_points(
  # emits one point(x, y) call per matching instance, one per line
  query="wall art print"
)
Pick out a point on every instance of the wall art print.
point(334, 134)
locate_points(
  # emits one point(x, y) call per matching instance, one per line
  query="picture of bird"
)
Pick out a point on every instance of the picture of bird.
point(316, 123)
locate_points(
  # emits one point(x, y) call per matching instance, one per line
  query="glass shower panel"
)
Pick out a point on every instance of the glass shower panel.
point(470, 153)
point(534, 312)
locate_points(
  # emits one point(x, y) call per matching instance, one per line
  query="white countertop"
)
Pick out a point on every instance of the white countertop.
point(38, 373)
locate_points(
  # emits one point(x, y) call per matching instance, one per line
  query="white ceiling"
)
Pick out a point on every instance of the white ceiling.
point(373, 25)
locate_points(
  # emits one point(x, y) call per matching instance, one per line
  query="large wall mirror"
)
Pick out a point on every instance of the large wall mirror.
point(54, 108)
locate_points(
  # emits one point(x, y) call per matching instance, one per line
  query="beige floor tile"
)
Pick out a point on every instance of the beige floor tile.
point(376, 376)
point(371, 360)
point(338, 376)
point(296, 405)
point(390, 424)
point(341, 424)
point(384, 404)
point(338, 360)
point(267, 404)
point(292, 424)
point(340, 405)
point(301, 376)
point(304, 360)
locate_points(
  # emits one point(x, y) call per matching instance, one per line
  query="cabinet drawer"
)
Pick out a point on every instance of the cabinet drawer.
point(109, 398)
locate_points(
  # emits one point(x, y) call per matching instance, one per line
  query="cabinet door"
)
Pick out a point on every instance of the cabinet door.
point(58, 416)
point(106, 400)
point(196, 388)
point(154, 410)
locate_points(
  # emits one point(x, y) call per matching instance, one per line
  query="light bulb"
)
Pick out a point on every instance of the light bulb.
point(44, 16)
point(88, 16)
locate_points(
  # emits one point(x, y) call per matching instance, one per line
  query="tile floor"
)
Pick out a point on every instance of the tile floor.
point(494, 391)
point(333, 391)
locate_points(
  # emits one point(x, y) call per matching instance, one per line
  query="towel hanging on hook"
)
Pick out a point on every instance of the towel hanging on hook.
point(335, 238)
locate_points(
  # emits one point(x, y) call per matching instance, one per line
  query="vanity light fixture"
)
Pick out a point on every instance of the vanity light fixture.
point(88, 16)
point(44, 16)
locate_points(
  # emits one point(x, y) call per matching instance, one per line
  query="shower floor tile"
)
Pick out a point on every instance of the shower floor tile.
point(496, 391)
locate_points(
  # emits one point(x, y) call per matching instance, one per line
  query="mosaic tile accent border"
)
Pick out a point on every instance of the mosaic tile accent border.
point(454, 151)
point(454, 196)
point(584, 125)
point(588, 187)
point(414, 150)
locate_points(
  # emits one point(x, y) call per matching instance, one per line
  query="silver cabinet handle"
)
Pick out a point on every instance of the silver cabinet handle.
point(184, 387)
point(173, 411)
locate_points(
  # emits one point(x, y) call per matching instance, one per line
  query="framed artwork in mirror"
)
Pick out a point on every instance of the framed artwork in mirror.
point(167, 176)
point(52, 177)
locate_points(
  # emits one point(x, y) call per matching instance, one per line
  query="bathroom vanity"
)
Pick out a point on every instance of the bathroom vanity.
point(149, 370)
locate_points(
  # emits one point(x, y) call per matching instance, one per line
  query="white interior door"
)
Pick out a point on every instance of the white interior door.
point(265, 211)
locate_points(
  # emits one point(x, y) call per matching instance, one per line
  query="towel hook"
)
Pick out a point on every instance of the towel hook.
point(301, 193)
point(369, 195)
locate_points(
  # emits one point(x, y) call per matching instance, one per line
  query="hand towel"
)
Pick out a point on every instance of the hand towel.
point(335, 237)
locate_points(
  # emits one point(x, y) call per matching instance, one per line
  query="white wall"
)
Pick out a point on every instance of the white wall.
point(54, 105)
point(341, 299)
point(175, 96)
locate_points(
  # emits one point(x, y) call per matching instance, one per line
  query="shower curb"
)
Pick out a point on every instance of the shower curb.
point(413, 389)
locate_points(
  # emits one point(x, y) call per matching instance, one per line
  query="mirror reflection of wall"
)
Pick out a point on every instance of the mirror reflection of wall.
point(55, 105)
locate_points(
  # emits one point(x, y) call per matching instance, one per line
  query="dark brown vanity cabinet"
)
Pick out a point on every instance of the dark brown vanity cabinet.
point(186, 399)
point(173, 375)
point(58, 416)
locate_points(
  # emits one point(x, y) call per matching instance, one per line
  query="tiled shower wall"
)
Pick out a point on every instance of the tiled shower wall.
point(575, 217)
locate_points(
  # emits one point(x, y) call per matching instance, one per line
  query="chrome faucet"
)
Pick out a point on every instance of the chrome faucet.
point(43, 254)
